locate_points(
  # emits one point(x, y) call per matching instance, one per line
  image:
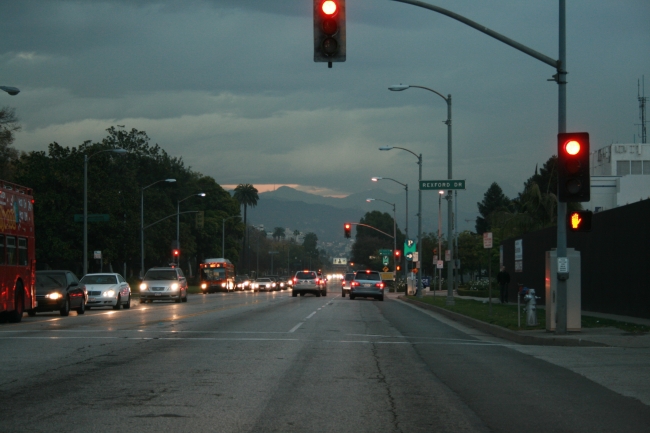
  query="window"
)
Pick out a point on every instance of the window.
point(622, 168)
point(22, 252)
point(11, 250)
point(637, 167)
point(306, 275)
point(2, 248)
point(120, 279)
point(646, 167)
point(161, 275)
point(99, 279)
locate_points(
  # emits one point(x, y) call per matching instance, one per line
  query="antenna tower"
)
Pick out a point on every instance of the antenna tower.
point(642, 104)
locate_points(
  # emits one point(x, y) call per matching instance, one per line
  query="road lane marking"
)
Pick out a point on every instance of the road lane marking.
point(296, 327)
point(311, 315)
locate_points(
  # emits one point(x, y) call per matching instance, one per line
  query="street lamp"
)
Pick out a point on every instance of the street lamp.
point(142, 222)
point(178, 218)
point(450, 269)
point(406, 228)
point(117, 150)
point(223, 235)
point(394, 228)
point(11, 90)
point(418, 292)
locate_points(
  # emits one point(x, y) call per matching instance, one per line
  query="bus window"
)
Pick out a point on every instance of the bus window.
point(22, 252)
point(11, 250)
point(2, 250)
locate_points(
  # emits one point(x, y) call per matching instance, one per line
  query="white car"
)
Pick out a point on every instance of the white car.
point(106, 290)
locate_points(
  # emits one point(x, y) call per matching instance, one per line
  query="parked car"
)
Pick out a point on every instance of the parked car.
point(106, 290)
point(264, 284)
point(345, 283)
point(58, 291)
point(367, 284)
point(307, 282)
point(163, 284)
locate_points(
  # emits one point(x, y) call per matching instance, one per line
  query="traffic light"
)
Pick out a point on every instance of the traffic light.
point(176, 253)
point(347, 230)
point(574, 182)
point(329, 31)
point(398, 254)
point(579, 221)
point(398, 267)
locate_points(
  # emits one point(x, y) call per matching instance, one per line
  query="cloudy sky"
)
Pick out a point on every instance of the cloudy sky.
point(231, 86)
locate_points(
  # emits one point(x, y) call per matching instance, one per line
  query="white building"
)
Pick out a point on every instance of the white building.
point(620, 175)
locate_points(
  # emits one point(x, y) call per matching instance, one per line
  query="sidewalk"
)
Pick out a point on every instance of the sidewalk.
point(594, 337)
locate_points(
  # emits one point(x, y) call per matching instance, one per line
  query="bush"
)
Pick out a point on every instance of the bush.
point(480, 284)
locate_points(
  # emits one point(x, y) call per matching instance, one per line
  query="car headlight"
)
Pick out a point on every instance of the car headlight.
point(273, 285)
point(204, 286)
point(223, 284)
point(109, 293)
point(143, 287)
point(54, 295)
point(174, 286)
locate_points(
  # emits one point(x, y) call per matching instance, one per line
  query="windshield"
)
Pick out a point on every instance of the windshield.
point(161, 275)
point(306, 275)
point(349, 277)
point(50, 281)
point(99, 279)
point(213, 273)
point(263, 280)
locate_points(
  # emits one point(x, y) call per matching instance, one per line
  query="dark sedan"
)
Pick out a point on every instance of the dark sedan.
point(59, 291)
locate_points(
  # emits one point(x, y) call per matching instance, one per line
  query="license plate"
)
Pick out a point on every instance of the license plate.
point(91, 299)
point(157, 294)
point(367, 285)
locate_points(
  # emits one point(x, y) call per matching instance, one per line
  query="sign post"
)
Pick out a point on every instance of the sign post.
point(487, 244)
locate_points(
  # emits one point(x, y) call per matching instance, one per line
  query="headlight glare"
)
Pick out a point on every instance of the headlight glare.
point(143, 286)
point(174, 286)
point(109, 293)
point(55, 295)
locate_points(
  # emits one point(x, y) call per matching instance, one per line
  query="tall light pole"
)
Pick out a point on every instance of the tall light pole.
point(117, 150)
point(440, 194)
point(223, 235)
point(178, 218)
point(450, 212)
point(418, 292)
point(142, 222)
point(394, 228)
point(406, 227)
point(13, 91)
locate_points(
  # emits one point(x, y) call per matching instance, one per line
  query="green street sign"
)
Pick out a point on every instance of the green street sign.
point(92, 218)
point(385, 260)
point(427, 185)
point(385, 252)
point(409, 246)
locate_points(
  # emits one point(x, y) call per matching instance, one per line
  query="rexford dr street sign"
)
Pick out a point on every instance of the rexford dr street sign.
point(426, 185)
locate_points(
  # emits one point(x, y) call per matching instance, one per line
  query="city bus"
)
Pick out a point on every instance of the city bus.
point(217, 275)
point(17, 251)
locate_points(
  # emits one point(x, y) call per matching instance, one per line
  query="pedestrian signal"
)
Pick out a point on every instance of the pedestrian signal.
point(579, 221)
point(574, 180)
point(329, 31)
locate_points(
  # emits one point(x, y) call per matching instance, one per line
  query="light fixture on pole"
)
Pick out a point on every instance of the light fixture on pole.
point(117, 150)
point(406, 227)
point(394, 228)
point(13, 91)
point(418, 292)
point(142, 222)
point(450, 269)
point(178, 215)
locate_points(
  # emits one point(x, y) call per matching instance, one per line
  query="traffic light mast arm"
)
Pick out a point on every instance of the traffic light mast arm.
point(371, 227)
point(481, 28)
point(169, 216)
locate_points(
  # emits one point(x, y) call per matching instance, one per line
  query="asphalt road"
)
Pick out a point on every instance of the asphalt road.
point(248, 362)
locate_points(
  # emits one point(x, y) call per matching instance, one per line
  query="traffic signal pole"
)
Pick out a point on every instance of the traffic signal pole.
point(560, 79)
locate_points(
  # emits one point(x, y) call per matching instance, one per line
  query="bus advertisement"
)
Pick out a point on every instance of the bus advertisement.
point(217, 275)
point(17, 251)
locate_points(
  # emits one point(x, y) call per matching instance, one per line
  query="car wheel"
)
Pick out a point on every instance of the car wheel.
point(318, 293)
point(342, 293)
point(143, 301)
point(294, 293)
point(17, 315)
point(185, 298)
point(180, 297)
point(65, 308)
point(302, 293)
point(381, 298)
point(118, 304)
point(324, 292)
point(31, 313)
point(128, 303)
point(89, 308)
point(82, 307)
point(351, 297)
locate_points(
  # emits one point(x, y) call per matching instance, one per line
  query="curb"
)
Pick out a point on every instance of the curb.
point(504, 333)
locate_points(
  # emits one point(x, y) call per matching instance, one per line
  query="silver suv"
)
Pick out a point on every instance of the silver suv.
point(367, 284)
point(163, 284)
point(307, 282)
point(345, 284)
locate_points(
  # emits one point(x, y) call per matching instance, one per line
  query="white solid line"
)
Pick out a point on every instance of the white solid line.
point(310, 316)
point(296, 327)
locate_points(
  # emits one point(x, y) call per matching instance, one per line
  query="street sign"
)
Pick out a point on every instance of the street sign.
point(385, 268)
point(415, 257)
point(426, 185)
point(92, 218)
point(440, 264)
point(385, 252)
point(409, 246)
point(562, 265)
point(97, 255)
point(384, 260)
point(487, 240)
point(409, 257)
point(447, 256)
point(387, 276)
point(339, 261)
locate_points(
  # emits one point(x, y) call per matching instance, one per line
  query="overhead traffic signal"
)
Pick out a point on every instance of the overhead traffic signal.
point(329, 31)
point(579, 221)
point(574, 181)
point(398, 268)
point(347, 230)
point(176, 253)
point(398, 254)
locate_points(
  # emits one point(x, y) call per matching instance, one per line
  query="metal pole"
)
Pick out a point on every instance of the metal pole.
point(85, 265)
point(450, 213)
point(394, 241)
point(406, 271)
point(418, 293)
point(561, 312)
point(178, 225)
point(223, 238)
point(456, 264)
point(439, 241)
point(142, 233)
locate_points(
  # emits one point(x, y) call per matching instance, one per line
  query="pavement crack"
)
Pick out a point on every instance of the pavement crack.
point(381, 377)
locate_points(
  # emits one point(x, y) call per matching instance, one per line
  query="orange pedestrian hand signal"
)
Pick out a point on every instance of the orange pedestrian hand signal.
point(579, 221)
point(575, 220)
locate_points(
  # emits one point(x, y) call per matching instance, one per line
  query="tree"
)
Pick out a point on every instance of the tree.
point(246, 195)
point(278, 233)
point(310, 245)
point(493, 200)
point(8, 154)
point(368, 242)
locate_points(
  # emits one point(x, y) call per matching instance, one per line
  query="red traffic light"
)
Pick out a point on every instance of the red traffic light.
point(572, 147)
point(398, 253)
point(347, 230)
point(574, 179)
point(176, 253)
point(329, 31)
point(329, 7)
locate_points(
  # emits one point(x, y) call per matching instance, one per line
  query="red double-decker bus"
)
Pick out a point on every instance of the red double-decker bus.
point(17, 251)
point(217, 275)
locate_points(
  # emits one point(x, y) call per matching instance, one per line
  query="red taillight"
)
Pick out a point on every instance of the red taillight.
point(295, 280)
point(354, 283)
point(380, 285)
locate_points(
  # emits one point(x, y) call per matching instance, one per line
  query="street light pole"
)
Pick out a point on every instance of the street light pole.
point(178, 219)
point(406, 227)
point(142, 222)
point(418, 292)
point(449, 197)
point(117, 150)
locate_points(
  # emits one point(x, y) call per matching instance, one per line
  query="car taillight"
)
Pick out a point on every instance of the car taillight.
point(354, 283)
point(380, 285)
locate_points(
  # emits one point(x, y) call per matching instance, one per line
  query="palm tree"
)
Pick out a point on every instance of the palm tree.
point(246, 195)
point(278, 233)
